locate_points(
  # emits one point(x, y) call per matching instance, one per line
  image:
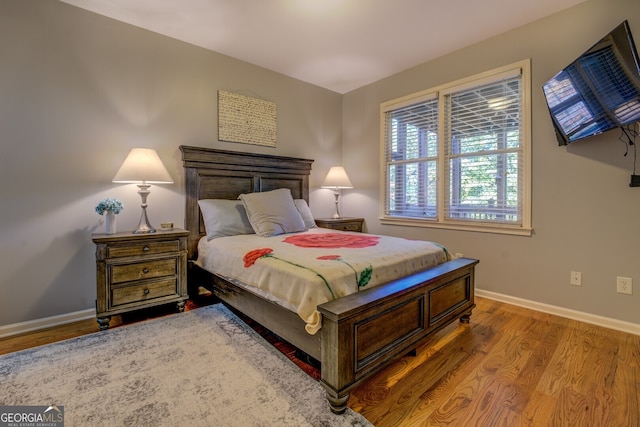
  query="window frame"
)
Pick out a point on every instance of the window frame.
point(524, 228)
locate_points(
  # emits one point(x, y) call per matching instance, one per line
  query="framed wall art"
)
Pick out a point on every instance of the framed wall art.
point(246, 120)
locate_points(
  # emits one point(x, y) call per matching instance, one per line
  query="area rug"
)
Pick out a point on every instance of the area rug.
point(203, 367)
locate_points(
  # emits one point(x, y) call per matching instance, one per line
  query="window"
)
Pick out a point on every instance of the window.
point(457, 156)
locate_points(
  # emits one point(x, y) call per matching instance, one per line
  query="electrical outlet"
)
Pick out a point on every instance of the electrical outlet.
point(624, 285)
point(576, 278)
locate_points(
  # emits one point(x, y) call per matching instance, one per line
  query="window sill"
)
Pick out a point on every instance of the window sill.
point(460, 226)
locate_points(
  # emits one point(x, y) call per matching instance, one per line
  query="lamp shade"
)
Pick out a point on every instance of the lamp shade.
point(143, 165)
point(337, 178)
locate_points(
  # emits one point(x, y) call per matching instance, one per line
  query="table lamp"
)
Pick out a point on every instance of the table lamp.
point(143, 167)
point(337, 180)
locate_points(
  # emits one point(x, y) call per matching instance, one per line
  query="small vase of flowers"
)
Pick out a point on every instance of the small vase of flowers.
point(111, 207)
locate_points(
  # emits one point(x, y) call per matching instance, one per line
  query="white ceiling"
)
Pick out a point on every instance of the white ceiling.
point(340, 45)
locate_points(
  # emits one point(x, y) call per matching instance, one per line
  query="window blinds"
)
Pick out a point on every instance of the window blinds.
point(483, 152)
point(411, 150)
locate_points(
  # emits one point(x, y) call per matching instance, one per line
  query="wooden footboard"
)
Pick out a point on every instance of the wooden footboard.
point(363, 332)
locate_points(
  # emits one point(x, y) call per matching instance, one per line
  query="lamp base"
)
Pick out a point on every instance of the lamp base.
point(144, 226)
point(337, 214)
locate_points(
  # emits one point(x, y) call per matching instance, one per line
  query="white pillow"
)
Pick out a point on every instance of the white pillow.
point(224, 218)
point(272, 212)
point(305, 212)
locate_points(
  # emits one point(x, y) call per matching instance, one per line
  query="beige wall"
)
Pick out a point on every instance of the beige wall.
point(77, 92)
point(585, 216)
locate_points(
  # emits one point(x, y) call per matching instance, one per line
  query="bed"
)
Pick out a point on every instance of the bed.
point(360, 333)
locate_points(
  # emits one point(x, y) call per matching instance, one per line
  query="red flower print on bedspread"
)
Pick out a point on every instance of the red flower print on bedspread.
point(329, 257)
point(251, 257)
point(332, 240)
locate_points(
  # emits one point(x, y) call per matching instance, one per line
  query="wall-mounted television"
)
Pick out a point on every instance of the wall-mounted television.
point(597, 92)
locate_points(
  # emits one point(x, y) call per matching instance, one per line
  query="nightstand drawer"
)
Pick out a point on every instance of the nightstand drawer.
point(143, 248)
point(143, 292)
point(343, 224)
point(350, 226)
point(121, 273)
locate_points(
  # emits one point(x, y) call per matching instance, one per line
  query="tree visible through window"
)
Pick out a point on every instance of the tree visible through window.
point(458, 155)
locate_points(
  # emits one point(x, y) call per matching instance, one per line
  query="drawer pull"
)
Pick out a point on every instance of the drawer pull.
point(146, 292)
point(145, 270)
point(145, 249)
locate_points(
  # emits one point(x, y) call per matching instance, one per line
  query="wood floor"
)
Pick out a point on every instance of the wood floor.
point(508, 367)
point(511, 367)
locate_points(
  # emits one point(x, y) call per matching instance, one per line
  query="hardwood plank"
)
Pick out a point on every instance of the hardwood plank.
point(50, 335)
point(484, 393)
point(538, 411)
point(625, 385)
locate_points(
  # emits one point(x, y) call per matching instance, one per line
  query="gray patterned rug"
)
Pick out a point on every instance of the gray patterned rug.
point(203, 367)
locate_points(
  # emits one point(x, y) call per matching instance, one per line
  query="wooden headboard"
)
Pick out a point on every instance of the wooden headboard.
point(220, 174)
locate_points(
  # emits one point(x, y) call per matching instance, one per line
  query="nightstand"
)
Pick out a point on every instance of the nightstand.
point(345, 224)
point(135, 271)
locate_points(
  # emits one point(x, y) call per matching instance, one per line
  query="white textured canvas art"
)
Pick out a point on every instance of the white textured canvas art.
point(245, 119)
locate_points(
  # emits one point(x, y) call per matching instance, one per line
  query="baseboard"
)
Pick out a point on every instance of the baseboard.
point(605, 322)
point(47, 322)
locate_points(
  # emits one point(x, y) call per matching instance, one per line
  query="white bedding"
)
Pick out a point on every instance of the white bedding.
point(287, 271)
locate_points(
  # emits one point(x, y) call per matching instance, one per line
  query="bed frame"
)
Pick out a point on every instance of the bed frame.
point(361, 333)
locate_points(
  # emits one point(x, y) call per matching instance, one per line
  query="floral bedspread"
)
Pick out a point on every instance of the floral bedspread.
point(303, 270)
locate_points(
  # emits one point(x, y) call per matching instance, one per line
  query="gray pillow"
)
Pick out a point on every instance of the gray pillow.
point(224, 218)
point(272, 212)
point(305, 212)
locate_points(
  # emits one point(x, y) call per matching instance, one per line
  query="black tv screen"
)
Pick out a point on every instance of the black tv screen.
point(597, 92)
